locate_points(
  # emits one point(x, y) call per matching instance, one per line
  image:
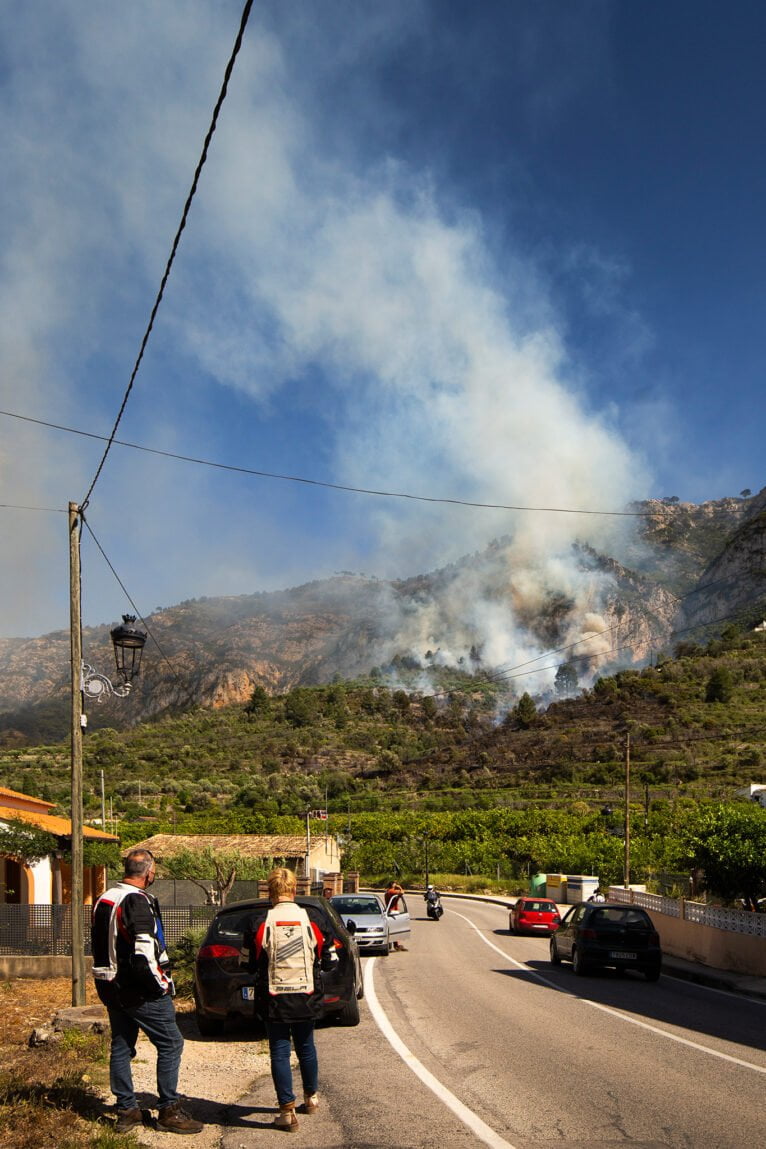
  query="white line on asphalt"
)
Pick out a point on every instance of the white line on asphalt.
point(466, 1115)
point(615, 1012)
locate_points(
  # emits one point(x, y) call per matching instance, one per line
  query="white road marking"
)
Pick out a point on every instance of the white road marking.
point(478, 1127)
point(615, 1012)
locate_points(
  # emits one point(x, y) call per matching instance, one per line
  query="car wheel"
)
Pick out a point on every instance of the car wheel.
point(555, 955)
point(653, 974)
point(349, 1015)
point(209, 1026)
point(511, 930)
point(579, 965)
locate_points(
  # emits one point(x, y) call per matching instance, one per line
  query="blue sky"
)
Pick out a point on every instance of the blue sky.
point(501, 251)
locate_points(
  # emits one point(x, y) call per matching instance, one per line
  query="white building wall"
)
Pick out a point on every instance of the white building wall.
point(42, 874)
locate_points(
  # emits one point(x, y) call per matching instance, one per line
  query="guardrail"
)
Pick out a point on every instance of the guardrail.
point(720, 917)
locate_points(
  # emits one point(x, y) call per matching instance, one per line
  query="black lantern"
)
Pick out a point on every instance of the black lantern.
point(128, 646)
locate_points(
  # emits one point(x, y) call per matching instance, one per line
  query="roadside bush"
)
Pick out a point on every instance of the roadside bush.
point(182, 956)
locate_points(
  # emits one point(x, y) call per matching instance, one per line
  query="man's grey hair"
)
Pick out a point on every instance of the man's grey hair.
point(137, 863)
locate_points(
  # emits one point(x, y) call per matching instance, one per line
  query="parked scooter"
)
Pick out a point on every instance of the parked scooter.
point(434, 907)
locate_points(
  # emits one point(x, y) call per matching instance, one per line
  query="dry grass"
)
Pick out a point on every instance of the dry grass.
point(52, 1095)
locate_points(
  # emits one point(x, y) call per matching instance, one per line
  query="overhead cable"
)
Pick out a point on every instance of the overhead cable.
point(338, 486)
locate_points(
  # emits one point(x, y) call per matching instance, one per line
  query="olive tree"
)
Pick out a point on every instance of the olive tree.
point(729, 843)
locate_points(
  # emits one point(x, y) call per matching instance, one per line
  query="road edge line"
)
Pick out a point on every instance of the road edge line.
point(470, 1119)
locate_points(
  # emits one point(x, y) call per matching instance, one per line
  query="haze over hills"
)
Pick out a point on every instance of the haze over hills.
point(509, 606)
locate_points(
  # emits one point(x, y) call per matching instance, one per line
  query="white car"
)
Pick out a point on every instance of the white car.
point(375, 929)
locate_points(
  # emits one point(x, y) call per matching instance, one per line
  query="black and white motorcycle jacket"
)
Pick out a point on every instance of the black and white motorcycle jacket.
point(128, 940)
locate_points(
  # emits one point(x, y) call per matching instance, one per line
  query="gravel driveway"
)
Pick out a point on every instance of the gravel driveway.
point(215, 1073)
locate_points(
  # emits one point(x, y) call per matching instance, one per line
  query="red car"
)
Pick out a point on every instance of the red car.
point(534, 916)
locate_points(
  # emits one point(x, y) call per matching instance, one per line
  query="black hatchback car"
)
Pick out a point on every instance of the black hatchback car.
point(223, 981)
point(608, 934)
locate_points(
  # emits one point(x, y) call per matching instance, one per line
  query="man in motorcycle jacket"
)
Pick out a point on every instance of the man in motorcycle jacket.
point(133, 979)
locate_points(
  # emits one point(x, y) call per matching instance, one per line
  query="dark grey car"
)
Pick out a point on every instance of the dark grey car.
point(608, 934)
point(223, 978)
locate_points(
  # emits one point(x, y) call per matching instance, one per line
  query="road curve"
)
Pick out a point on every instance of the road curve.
point(537, 1057)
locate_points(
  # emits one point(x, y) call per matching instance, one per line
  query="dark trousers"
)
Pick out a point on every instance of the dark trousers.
point(280, 1034)
point(157, 1019)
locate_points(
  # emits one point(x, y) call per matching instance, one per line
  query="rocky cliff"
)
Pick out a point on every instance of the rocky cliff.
point(684, 566)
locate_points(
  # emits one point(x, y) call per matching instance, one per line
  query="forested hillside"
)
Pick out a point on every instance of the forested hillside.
point(692, 724)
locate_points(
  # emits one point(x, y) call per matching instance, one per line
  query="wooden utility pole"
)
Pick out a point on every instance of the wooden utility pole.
point(75, 631)
point(626, 868)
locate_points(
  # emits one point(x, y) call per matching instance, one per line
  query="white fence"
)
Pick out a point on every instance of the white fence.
point(738, 921)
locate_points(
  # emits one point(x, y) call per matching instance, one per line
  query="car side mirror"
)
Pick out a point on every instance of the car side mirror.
point(351, 927)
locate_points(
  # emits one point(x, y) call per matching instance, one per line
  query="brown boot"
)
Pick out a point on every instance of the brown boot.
point(286, 1118)
point(173, 1119)
point(128, 1119)
point(310, 1102)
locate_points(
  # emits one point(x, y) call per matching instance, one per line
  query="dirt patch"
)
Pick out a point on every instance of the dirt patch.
point(38, 1086)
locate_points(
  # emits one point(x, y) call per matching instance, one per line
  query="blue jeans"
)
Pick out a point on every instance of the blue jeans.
point(302, 1033)
point(157, 1019)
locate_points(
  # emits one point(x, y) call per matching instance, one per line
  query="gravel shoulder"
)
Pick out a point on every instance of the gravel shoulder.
point(215, 1073)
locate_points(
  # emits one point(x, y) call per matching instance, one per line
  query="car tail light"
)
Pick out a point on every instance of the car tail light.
point(654, 938)
point(215, 952)
point(588, 934)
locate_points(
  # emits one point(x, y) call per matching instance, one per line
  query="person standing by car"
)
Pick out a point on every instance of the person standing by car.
point(288, 953)
point(134, 981)
point(393, 892)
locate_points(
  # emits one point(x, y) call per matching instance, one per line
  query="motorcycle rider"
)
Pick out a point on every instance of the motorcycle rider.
point(432, 898)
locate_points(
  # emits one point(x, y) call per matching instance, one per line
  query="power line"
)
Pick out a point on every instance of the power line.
point(336, 486)
point(176, 241)
point(19, 507)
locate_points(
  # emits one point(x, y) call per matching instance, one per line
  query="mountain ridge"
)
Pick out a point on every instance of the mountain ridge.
point(690, 565)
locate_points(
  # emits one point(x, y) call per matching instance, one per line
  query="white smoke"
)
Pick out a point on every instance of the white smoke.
point(316, 278)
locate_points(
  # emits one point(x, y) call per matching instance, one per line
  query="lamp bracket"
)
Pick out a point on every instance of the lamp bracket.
point(98, 687)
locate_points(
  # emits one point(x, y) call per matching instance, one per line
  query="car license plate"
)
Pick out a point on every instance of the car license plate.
point(622, 955)
point(248, 992)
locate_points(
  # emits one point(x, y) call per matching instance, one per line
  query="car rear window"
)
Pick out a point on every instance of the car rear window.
point(235, 925)
point(539, 907)
point(230, 927)
point(619, 916)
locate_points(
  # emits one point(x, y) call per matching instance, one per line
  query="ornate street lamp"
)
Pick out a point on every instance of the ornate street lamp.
point(128, 643)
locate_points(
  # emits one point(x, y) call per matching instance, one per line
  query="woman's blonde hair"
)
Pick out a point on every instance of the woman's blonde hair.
point(282, 883)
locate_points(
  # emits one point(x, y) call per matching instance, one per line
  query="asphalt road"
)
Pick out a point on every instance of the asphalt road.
point(493, 1046)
